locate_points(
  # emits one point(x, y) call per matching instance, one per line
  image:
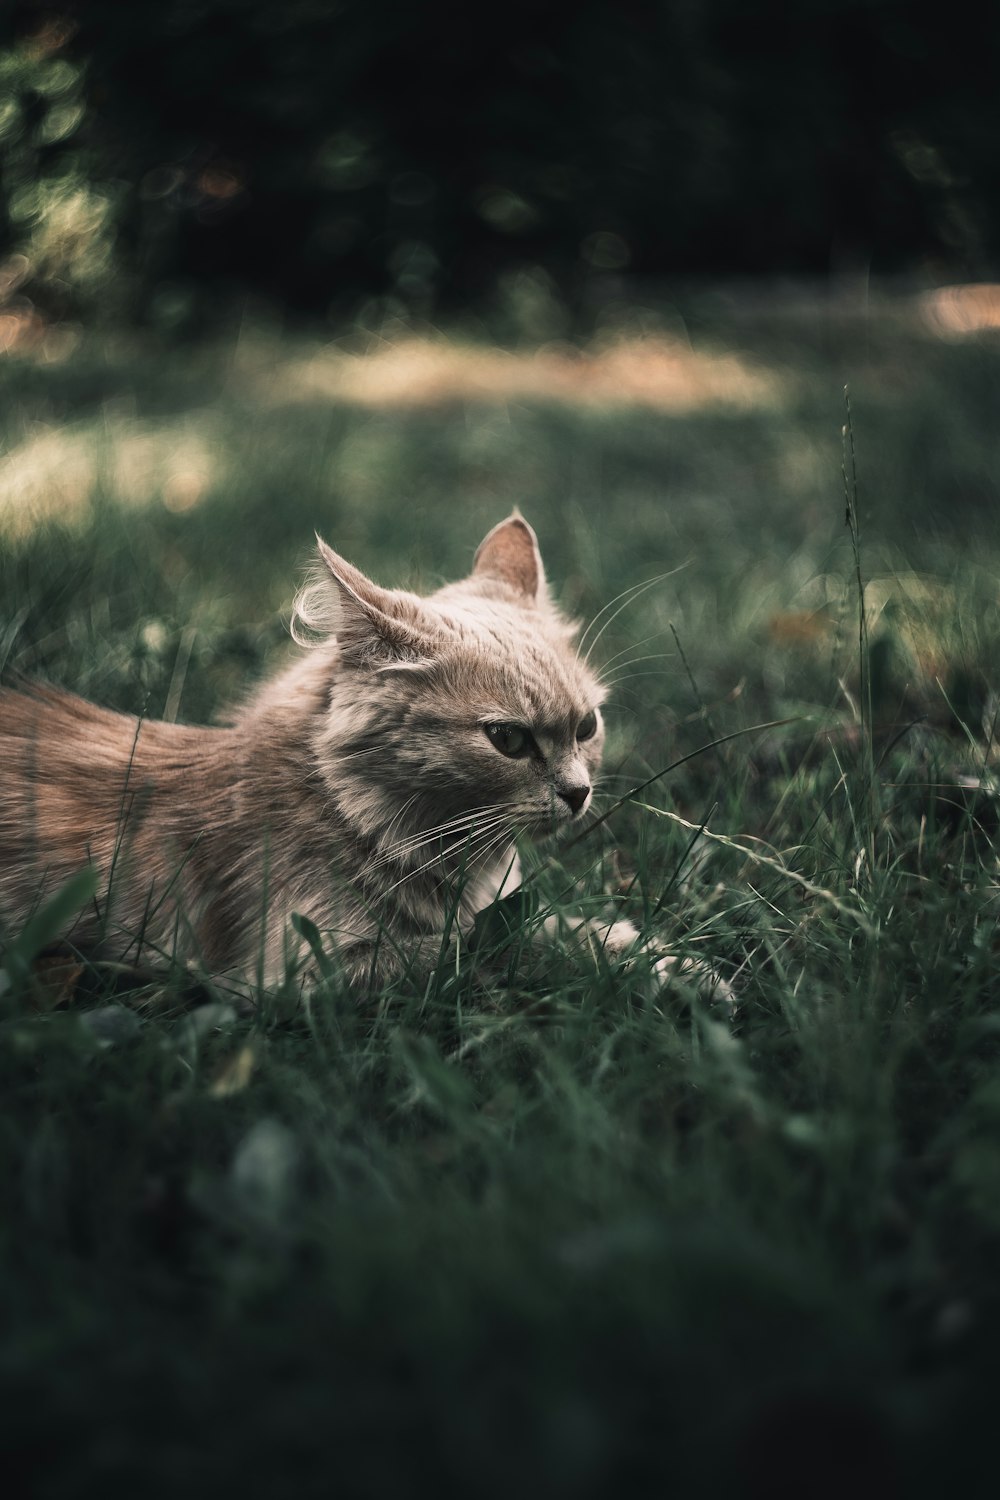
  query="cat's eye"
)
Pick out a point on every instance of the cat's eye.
point(512, 740)
point(587, 727)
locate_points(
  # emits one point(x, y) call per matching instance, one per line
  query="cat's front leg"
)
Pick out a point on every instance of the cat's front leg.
point(620, 942)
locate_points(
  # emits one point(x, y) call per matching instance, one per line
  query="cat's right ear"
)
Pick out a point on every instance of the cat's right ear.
point(509, 553)
point(373, 626)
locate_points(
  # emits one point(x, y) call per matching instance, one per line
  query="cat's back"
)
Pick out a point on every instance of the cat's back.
point(40, 724)
point(72, 725)
point(44, 729)
point(76, 779)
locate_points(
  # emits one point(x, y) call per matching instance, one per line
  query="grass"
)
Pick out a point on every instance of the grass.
point(583, 1244)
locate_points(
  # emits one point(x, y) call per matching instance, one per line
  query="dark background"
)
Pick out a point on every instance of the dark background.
point(314, 154)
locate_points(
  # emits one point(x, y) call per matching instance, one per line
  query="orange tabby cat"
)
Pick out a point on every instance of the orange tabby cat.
point(376, 786)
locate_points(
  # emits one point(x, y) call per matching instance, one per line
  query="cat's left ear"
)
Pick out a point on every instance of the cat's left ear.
point(374, 627)
point(509, 553)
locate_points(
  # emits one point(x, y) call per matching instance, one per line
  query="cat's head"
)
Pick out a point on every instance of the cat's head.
point(472, 699)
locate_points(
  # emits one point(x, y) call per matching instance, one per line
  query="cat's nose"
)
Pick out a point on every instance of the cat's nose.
point(574, 796)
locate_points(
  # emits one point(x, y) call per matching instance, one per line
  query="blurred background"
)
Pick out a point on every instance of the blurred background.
point(171, 166)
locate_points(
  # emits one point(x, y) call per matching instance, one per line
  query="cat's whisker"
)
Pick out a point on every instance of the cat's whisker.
point(624, 776)
point(440, 855)
point(630, 677)
point(435, 860)
point(416, 840)
point(341, 757)
point(471, 812)
point(634, 646)
point(478, 849)
point(395, 821)
point(418, 846)
point(627, 596)
point(633, 661)
point(394, 846)
point(502, 841)
point(486, 809)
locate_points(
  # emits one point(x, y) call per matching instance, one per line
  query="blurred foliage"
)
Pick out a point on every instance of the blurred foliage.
point(168, 161)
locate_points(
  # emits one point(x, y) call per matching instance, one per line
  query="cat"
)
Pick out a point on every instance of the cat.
point(376, 786)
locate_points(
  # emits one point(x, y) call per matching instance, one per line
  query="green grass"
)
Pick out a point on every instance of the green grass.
point(580, 1244)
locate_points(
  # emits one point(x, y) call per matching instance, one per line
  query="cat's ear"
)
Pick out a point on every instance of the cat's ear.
point(374, 626)
point(510, 554)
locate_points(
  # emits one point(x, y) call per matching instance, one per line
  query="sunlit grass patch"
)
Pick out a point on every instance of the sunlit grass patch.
point(57, 473)
point(651, 373)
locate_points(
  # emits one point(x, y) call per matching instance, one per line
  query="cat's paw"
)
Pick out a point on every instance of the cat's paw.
point(669, 970)
point(622, 944)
